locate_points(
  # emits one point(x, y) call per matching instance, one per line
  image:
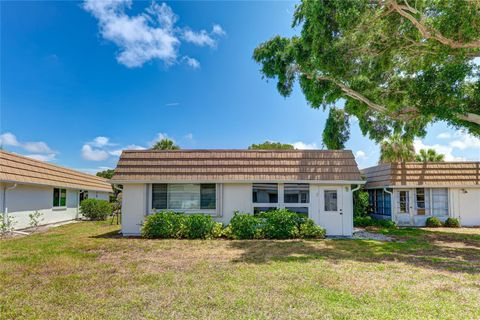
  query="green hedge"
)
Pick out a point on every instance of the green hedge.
point(277, 224)
point(368, 221)
point(433, 222)
point(95, 209)
point(452, 223)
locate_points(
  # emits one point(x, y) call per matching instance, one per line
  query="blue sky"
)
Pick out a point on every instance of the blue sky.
point(81, 81)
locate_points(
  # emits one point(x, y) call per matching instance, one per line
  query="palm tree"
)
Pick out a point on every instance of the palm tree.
point(426, 155)
point(165, 144)
point(396, 149)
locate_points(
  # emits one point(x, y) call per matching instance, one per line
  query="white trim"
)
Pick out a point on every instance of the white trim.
point(56, 186)
point(329, 182)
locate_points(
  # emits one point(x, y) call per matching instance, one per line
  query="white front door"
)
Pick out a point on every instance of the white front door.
point(469, 204)
point(403, 207)
point(331, 210)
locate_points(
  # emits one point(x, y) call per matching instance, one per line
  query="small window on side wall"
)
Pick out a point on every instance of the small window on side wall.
point(265, 193)
point(330, 197)
point(297, 193)
point(59, 197)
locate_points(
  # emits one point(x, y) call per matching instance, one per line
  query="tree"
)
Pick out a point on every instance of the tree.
point(107, 174)
point(396, 149)
point(399, 65)
point(426, 155)
point(268, 145)
point(165, 144)
point(337, 130)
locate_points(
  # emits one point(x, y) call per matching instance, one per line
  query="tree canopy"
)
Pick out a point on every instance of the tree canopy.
point(268, 145)
point(396, 149)
point(165, 144)
point(426, 155)
point(398, 64)
point(337, 130)
point(107, 174)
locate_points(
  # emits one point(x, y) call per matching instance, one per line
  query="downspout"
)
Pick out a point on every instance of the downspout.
point(357, 188)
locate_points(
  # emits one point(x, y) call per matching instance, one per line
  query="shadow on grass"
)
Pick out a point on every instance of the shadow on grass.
point(436, 250)
point(108, 235)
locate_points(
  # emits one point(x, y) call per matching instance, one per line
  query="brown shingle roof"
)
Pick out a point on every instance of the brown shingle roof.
point(423, 174)
point(19, 169)
point(236, 165)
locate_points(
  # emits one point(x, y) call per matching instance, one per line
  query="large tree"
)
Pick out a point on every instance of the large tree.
point(165, 144)
point(107, 174)
point(336, 131)
point(268, 145)
point(398, 64)
point(426, 155)
point(396, 149)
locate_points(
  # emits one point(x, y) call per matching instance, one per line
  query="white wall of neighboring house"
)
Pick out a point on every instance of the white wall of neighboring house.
point(24, 199)
point(238, 197)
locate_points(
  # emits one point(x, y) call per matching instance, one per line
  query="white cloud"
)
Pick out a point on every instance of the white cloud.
point(172, 104)
point(89, 153)
point(40, 150)
point(201, 38)
point(444, 135)
point(304, 146)
point(100, 142)
point(42, 157)
point(158, 137)
point(8, 139)
point(189, 136)
point(149, 35)
point(465, 141)
point(360, 154)
point(192, 62)
point(218, 30)
point(442, 149)
point(118, 152)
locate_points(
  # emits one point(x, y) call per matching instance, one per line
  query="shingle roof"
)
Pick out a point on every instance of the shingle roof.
point(20, 169)
point(423, 174)
point(236, 165)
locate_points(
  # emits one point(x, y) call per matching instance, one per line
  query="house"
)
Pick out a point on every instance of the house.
point(410, 192)
point(28, 185)
point(313, 183)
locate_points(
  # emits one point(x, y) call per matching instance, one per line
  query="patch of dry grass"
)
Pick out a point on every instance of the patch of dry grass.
point(85, 271)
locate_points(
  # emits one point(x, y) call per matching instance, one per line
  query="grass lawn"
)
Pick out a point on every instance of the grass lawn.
point(85, 271)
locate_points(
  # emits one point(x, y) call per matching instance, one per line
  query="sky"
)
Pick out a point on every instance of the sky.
point(80, 81)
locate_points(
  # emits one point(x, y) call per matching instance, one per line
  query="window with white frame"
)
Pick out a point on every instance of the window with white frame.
point(296, 193)
point(403, 202)
point(265, 193)
point(183, 196)
point(422, 201)
point(439, 202)
point(59, 197)
point(330, 200)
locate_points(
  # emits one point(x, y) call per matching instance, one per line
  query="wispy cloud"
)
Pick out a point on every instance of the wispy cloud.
point(360, 154)
point(455, 142)
point(304, 146)
point(38, 150)
point(192, 62)
point(147, 36)
point(172, 104)
point(94, 154)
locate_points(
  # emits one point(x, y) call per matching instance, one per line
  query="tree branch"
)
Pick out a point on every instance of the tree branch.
point(404, 10)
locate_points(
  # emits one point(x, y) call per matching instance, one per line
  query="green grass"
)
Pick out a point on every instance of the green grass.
point(85, 271)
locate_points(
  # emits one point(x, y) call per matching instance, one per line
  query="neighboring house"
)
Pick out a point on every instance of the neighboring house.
point(313, 183)
point(408, 193)
point(28, 185)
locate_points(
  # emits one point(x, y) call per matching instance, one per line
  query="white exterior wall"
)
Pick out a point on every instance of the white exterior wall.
point(26, 199)
point(98, 195)
point(134, 208)
point(238, 197)
point(465, 205)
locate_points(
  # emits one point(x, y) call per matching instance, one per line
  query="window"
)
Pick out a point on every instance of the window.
point(265, 193)
point(297, 193)
point(403, 202)
point(330, 197)
point(301, 211)
point(422, 201)
point(183, 196)
point(380, 202)
point(59, 197)
point(440, 202)
point(258, 210)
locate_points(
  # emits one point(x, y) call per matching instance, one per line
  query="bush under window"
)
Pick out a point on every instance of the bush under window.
point(433, 222)
point(452, 223)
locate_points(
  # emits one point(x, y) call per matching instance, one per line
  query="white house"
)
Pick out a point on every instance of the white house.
point(410, 192)
point(28, 185)
point(314, 183)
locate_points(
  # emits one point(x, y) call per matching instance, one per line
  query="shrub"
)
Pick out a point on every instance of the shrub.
point(217, 230)
point(198, 226)
point(227, 232)
point(360, 203)
point(309, 230)
point(96, 209)
point(433, 222)
point(35, 218)
point(280, 224)
point(368, 221)
point(7, 223)
point(452, 223)
point(163, 225)
point(244, 226)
